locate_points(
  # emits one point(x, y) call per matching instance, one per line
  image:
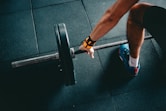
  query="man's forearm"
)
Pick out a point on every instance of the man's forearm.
point(111, 17)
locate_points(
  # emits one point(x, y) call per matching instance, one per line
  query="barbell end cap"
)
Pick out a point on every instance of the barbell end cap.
point(72, 52)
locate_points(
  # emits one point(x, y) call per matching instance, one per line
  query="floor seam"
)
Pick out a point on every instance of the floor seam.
point(34, 27)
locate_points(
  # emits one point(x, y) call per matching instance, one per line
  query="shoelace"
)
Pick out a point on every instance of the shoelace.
point(126, 52)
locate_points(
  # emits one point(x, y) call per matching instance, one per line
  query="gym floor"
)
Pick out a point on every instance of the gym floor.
point(27, 30)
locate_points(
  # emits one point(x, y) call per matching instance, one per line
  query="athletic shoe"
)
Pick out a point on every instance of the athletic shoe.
point(124, 56)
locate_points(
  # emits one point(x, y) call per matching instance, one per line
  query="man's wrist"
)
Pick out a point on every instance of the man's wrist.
point(88, 43)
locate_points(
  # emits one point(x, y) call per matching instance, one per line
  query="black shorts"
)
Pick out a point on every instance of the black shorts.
point(154, 21)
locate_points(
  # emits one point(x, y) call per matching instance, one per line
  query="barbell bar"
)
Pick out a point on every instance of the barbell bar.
point(64, 54)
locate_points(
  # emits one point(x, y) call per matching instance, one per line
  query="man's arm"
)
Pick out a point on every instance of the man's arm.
point(111, 17)
point(106, 23)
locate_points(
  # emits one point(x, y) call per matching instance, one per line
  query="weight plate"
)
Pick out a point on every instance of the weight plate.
point(65, 56)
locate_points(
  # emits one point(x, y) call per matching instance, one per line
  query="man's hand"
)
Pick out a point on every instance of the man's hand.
point(89, 51)
point(87, 45)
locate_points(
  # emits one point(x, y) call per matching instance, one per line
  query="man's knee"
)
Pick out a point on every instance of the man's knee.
point(137, 12)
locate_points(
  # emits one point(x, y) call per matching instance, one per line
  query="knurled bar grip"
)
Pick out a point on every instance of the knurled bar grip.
point(109, 45)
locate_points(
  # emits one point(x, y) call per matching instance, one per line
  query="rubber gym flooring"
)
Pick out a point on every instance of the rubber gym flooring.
point(26, 30)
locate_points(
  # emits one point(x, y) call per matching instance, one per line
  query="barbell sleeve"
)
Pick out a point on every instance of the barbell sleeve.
point(34, 60)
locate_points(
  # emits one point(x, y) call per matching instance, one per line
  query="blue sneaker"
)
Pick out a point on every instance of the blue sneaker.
point(124, 56)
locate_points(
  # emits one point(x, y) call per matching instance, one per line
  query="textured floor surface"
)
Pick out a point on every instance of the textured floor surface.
point(27, 30)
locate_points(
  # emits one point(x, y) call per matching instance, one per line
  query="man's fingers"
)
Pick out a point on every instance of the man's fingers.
point(89, 51)
point(92, 55)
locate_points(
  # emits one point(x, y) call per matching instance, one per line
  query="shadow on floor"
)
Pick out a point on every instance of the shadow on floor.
point(115, 75)
point(161, 73)
point(30, 88)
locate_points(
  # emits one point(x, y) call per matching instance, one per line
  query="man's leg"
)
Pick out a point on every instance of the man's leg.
point(135, 29)
point(135, 35)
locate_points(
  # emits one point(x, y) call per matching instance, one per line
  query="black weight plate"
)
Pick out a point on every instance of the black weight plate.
point(64, 53)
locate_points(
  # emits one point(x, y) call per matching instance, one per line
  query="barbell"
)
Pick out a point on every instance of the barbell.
point(64, 54)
